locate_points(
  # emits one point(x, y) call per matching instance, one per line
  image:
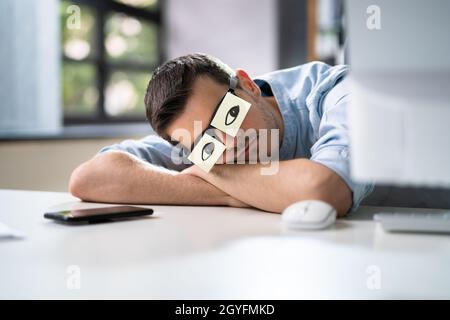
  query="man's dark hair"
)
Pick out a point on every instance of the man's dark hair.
point(171, 86)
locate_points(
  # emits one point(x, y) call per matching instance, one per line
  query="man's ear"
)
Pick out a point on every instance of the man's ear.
point(247, 83)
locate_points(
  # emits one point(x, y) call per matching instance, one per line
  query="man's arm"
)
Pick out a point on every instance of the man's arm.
point(120, 177)
point(296, 180)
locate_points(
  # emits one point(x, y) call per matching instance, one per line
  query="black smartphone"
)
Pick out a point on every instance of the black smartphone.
point(98, 214)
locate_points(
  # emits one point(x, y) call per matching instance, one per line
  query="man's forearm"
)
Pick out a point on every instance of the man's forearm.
point(119, 177)
point(296, 180)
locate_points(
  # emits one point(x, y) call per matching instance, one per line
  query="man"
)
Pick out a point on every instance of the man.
point(305, 105)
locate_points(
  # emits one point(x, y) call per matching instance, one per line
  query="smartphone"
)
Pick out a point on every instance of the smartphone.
point(98, 214)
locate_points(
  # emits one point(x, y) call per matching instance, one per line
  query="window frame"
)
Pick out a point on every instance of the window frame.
point(104, 67)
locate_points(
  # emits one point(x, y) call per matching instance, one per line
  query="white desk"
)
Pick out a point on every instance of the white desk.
point(213, 253)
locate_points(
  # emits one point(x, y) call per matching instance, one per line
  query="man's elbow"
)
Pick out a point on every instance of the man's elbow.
point(85, 179)
point(335, 191)
point(101, 178)
point(79, 182)
point(321, 183)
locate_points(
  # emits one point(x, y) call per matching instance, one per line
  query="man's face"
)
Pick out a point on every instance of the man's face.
point(196, 117)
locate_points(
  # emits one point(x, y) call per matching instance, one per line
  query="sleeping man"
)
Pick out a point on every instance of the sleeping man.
point(224, 138)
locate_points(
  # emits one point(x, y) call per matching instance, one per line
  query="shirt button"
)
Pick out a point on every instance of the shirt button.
point(344, 153)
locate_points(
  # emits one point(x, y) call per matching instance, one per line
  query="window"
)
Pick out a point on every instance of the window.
point(108, 58)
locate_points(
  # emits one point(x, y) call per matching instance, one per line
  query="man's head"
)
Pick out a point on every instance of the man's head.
point(186, 90)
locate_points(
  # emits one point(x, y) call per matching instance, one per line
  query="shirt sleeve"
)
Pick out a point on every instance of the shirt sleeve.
point(332, 147)
point(152, 149)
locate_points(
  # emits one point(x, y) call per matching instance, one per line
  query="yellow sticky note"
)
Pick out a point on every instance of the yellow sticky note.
point(230, 114)
point(206, 152)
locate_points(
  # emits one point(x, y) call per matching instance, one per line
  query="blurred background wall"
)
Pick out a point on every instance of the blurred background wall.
point(241, 33)
point(29, 61)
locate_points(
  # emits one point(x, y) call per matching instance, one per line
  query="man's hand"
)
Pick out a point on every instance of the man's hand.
point(296, 180)
point(195, 171)
point(199, 173)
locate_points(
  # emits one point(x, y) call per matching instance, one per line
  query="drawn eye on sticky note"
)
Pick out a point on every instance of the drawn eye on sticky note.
point(230, 114)
point(206, 152)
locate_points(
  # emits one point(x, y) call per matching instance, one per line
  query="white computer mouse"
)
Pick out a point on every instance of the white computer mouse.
point(309, 214)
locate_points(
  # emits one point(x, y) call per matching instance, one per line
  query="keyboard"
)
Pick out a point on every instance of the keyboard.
point(415, 222)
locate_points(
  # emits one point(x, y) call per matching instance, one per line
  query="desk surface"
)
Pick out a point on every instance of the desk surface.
point(213, 253)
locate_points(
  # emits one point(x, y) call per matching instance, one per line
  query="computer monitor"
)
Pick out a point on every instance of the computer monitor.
point(399, 116)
